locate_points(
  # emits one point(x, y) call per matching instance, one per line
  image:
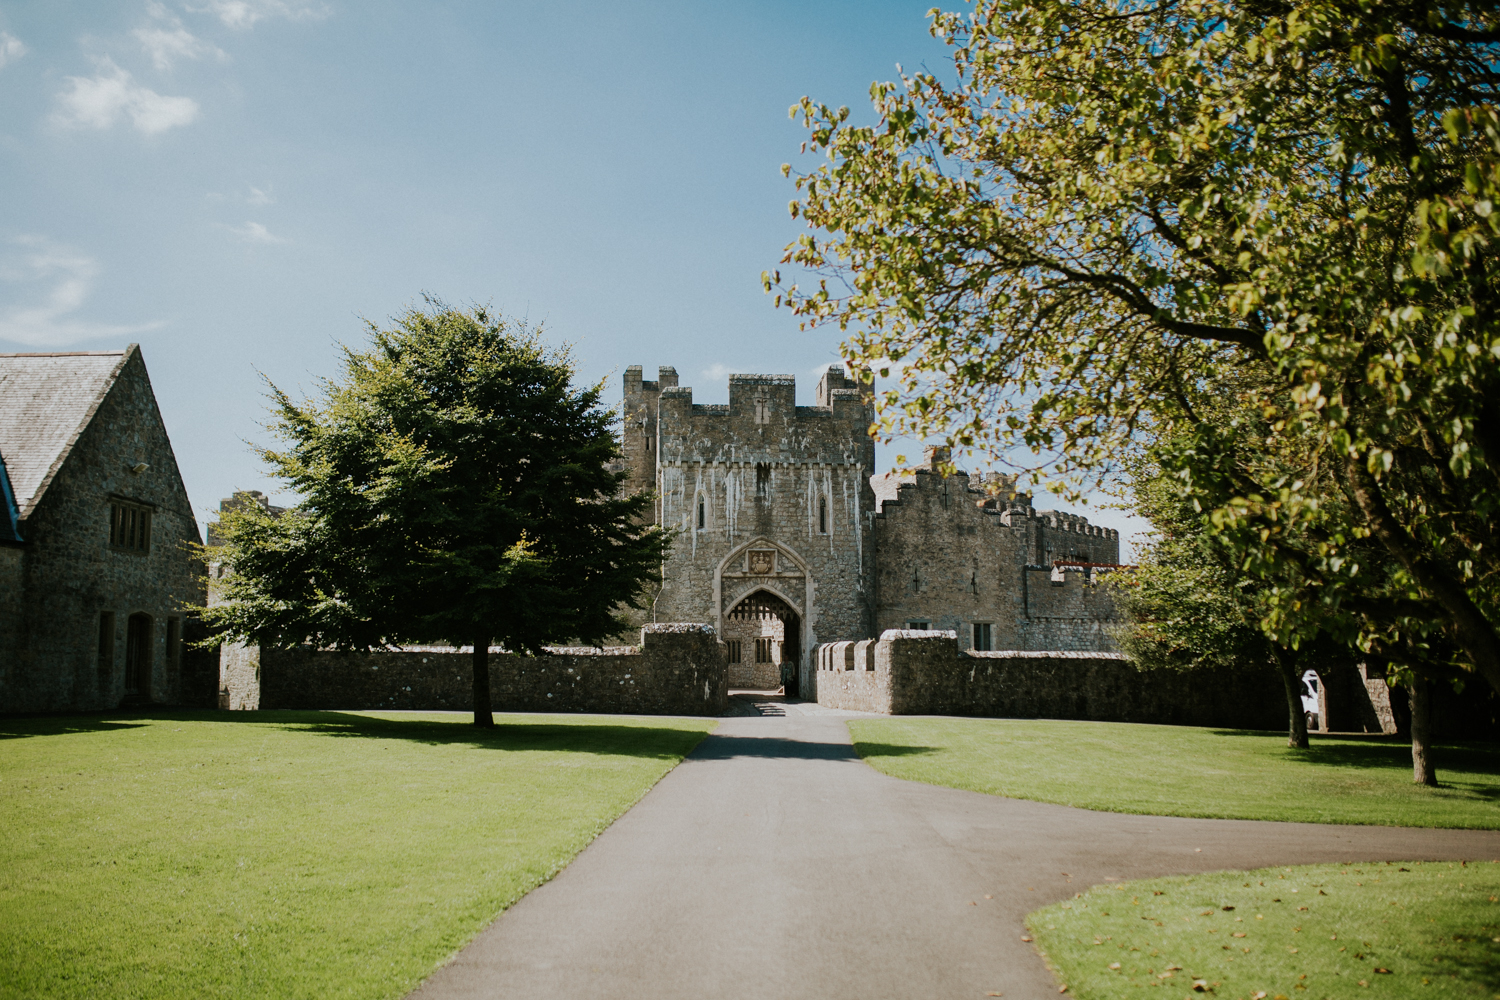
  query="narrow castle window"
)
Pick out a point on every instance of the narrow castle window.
point(734, 650)
point(701, 513)
point(918, 626)
point(982, 636)
point(130, 528)
point(822, 515)
point(763, 650)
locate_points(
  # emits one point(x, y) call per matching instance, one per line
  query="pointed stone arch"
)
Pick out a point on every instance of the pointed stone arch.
point(745, 570)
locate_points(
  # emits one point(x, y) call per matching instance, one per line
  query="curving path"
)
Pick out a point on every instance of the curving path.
point(772, 863)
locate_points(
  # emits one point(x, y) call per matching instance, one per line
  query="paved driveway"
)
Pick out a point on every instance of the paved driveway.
point(774, 864)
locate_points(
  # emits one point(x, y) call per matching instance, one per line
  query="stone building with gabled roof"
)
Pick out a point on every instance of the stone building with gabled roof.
point(96, 574)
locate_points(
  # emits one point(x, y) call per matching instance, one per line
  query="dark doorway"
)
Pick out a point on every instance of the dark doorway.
point(747, 623)
point(138, 654)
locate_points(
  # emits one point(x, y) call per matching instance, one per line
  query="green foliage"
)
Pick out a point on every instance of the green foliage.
point(1187, 771)
point(1119, 213)
point(455, 487)
point(290, 854)
point(1185, 605)
point(1387, 930)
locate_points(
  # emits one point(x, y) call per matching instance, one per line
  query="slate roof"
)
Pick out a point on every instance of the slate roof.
point(46, 400)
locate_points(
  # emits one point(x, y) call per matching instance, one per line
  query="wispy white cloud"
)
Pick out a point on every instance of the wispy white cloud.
point(244, 13)
point(51, 283)
point(251, 196)
point(169, 40)
point(102, 99)
point(717, 372)
point(11, 47)
point(254, 232)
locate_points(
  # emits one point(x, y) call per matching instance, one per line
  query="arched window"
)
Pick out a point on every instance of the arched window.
point(822, 515)
point(702, 512)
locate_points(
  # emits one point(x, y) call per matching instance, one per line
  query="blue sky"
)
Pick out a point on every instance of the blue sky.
point(235, 183)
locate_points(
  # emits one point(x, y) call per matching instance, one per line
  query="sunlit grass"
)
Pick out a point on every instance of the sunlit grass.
point(1181, 771)
point(290, 854)
point(1319, 932)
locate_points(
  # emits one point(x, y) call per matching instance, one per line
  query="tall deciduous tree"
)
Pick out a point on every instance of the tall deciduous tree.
point(1188, 605)
point(1116, 204)
point(455, 488)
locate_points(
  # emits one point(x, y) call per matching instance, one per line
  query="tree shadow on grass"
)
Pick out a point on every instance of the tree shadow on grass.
point(1478, 962)
point(1376, 751)
point(867, 749)
point(606, 739)
point(20, 728)
point(657, 742)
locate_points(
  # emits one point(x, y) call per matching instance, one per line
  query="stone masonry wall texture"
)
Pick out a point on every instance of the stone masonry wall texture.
point(764, 495)
point(74, 428)
point(925, 673)
point(767, 496)
point(677, 670)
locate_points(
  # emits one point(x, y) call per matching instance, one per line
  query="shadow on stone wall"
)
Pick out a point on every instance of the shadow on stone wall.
point(679, 669)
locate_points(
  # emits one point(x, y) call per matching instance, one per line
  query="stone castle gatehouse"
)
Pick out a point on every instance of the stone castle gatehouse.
point(786, 537)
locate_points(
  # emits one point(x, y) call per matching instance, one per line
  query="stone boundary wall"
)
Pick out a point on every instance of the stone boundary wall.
point(925, 673)
point(678, 669)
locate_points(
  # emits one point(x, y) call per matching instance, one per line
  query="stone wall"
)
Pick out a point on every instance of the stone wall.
point(50, 655)
point(239, 677)
point(678, 669)
point(951, 556)
point(747, 673)
point(925, 673)
point(783, 492)
point(765, 495)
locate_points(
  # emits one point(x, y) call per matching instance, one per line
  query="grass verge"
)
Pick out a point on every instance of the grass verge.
point(1181, 771)
point(1319, 932)
point(290, 854)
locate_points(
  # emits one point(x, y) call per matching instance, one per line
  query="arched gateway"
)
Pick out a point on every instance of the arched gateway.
point(764, 636)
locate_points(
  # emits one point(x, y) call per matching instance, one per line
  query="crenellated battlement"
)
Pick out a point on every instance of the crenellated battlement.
point(762, 482)
point(762, 424)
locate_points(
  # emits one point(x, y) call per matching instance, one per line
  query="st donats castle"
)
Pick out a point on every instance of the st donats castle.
point(786, 538)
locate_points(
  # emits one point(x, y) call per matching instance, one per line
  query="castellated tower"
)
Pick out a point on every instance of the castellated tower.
point(770, 502)
point(785, 538)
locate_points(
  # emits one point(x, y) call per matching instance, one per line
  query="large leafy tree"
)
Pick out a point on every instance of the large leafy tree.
point(1113, 208)
point(455, 488)
point(1189, 605)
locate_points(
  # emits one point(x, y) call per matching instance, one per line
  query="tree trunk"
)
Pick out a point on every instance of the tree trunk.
point(1422, 770)
point(1479, 640)
point(482, 715)
point(1285, 661)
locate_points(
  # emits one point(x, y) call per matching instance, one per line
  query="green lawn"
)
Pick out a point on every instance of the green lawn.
point(290, 854)
point(1179, 771)
point(1320, 932)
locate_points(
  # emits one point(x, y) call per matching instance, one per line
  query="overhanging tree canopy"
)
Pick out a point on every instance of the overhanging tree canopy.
point(1117, 203)
point(455, 488)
